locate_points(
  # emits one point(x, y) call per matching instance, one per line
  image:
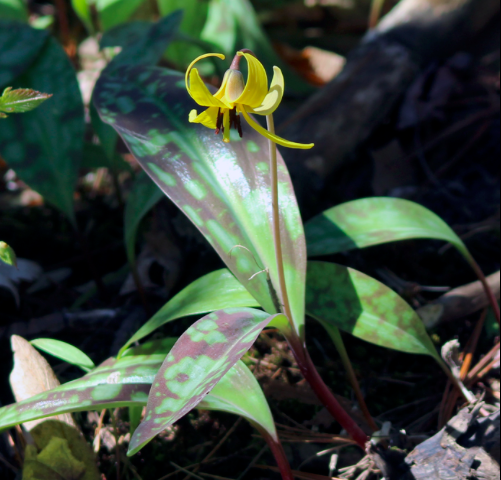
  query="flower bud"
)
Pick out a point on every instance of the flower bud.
point(235, 85)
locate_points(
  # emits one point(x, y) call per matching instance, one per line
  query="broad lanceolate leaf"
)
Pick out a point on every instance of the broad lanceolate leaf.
point(19, 46)
point(345, 298)
point(201, 357)
point(239, 392)
point(143, 196)
point(233, 24)
point(7, 254)
point(223, 188)
point(82, 9)
point(21, 100)
point(372, 221)
point(13, 10)
point(45, 146)
point(126, 382)
point(216, 291)
point(115, 12)
point(65, 352)
point(194, 18)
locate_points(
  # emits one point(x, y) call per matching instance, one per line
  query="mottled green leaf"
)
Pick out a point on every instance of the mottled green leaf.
point(239, 392)
point(125, 34)
point(147, 49)
point(7, 254)
point(45, 146)
point(143, 196)
point(200, 358)
point(114, 12)
point(13, 10)
point(233, 24)
point(372, 221)
point(19, 46)
point(126, 383)
point(347, 299)
point(65, 352)
point(223, 188)
point(21, 100)
point(215, 291)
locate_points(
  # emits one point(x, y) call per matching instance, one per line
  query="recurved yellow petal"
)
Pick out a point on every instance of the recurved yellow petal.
point(200, 93)
point(192, 64)
point(275, 95)
point(278, 140)
point(208, 118)
point(256, 88)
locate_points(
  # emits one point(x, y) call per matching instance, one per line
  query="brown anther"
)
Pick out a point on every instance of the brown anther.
point(219, 123)
point(239, 126)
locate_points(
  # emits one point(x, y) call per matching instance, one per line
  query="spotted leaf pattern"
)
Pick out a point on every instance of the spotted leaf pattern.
point(372, 221)
point(223, 188)
point(344, 298)
point(201, 357)
point(126, 382)
point(214, 291)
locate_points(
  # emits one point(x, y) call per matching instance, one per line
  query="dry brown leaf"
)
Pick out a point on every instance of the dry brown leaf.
point(32, 375)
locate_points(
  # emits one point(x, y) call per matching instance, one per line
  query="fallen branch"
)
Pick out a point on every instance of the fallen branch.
point(459, 302)
point(343, 114)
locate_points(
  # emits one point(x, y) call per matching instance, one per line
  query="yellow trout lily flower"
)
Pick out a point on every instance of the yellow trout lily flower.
point(236, 97)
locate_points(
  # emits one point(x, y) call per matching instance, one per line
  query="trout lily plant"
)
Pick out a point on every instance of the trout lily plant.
point(239, 194)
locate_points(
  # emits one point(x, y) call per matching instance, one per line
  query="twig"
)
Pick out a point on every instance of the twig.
point(190, 474)
point(254, 461)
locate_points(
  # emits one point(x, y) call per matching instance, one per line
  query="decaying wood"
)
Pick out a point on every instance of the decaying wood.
point(343, 114)
point(459, 302)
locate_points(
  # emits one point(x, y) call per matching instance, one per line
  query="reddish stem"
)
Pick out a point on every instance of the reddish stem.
point(322, 391)
point(278, 452)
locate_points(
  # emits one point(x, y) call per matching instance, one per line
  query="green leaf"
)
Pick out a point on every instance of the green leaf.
point(125, 34)
point(82, 9)
point(216, 291)
point(147, 49)
point(233, 24)
point(21, 100)
point(239, 392)
point(65, 352)
point(223, 188)
point(126, 383)
point(194, 18)
point(113, 12)
point(19, 47)
point(143, 196)
point(347, 299)
point(372, 221)
point(201, 357)
point(45, 146)
point(13, 10)
point(7, 254)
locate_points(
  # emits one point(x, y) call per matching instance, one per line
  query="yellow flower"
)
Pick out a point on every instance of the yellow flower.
point(235, 97)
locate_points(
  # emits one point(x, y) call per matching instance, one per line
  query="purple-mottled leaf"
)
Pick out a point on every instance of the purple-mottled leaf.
point(198, 361)
point(372, 221)
point(347, 299)
point(214, 291)
point(223, 188)
point(126, 382)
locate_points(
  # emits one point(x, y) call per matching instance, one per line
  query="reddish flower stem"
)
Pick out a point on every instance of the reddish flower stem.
point(324, 394)
point(278, 452)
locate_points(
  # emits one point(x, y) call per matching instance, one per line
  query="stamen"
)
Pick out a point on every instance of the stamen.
point(239, 126)
point(219, 123)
